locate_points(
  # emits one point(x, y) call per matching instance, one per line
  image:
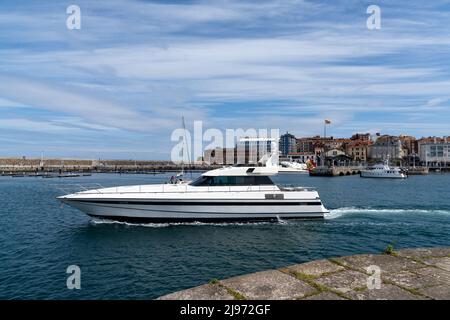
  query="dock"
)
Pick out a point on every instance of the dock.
point(18, 167)
point(417, 170)
point(409, 274)
point(326, 171)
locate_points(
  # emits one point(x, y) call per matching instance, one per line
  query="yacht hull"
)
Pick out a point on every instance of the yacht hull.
point(383, 176)
point(173, 211)
point(292, 171)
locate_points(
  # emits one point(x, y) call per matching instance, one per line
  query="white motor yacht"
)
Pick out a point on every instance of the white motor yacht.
point(383, 170)
point(225, 194)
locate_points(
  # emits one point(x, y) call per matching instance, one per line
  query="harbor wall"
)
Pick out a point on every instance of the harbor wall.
point(20, 165)
point(25, 165)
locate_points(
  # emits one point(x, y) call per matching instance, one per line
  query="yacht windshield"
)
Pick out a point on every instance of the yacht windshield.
point(232, 181)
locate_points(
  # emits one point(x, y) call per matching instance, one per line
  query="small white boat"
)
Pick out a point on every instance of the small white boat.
point(225, 194)
point(68, 175)
point(292, 167)
point(383, 170)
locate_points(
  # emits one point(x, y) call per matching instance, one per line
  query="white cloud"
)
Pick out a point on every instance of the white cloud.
point(33, 126)
point(6, 103)
point(99, 111)
point(436, 101)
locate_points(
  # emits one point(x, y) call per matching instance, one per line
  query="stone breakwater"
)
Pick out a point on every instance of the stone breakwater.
point(417, 274)
point(25, 165)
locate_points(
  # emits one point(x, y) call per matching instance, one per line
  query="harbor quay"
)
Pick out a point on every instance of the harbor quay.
point(408, 274)
point(17, 166)
point(333, 171)
point(11, 166)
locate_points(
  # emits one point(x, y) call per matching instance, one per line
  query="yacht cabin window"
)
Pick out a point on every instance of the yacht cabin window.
point(232, 181)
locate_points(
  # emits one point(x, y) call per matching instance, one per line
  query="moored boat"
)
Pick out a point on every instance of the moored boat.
point(383, 170)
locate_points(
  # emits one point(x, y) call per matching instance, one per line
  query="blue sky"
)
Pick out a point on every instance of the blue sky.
point(117, 88)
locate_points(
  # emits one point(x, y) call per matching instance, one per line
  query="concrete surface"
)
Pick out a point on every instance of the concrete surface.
point(410, 274)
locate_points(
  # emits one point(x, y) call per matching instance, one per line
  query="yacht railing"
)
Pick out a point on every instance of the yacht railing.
point(290, 187)
point(78, 187)
point(97, 188)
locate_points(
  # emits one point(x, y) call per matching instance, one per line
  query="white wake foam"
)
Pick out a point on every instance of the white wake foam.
point(333, 214)
point(196, 223)
point(339, 212)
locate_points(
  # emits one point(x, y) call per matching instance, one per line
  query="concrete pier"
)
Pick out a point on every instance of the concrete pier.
point(14, 166)
point(325, 171)
point(410, 274)
point(417, 171)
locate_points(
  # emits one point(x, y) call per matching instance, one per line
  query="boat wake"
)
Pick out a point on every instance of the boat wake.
point(97, 221)
point(333, 214)
point(339, 212)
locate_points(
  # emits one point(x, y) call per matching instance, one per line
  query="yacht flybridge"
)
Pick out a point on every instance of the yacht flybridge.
point(225, 194)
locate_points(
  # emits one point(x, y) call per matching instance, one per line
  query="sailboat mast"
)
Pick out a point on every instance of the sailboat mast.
point(184, 141)
point(187, 148)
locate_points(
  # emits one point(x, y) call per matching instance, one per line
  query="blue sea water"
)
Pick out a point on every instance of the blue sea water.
point(39, 239)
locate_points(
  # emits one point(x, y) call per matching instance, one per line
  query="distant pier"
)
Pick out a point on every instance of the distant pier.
point(333, 171)
point(417, 170)
point(326, 171)
point(36, 167)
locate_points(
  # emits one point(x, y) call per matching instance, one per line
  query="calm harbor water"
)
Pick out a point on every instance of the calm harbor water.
point(39, 239)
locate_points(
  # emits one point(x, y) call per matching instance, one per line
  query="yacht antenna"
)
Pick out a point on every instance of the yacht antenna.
point(41, 164)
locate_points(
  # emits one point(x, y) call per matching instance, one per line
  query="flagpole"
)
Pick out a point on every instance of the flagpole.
point(325, 122)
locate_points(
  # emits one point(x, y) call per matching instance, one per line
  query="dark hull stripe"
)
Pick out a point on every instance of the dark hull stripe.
point(211, 220)
point(201, 212)
point(202, 203)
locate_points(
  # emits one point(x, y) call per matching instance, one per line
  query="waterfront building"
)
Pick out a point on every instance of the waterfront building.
point(337, 143)
point(332, 153)
point(317, 143)
point(409, 143)
point(358, 150)
point(305, 145)
point(247, 151)
point(251, 150)
point(220, 156)
point(435, 152)
point(387, 147)
point(302, 157)
point(361, 137)
point(335, 157)
point(288, 143)
point(319, 146)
